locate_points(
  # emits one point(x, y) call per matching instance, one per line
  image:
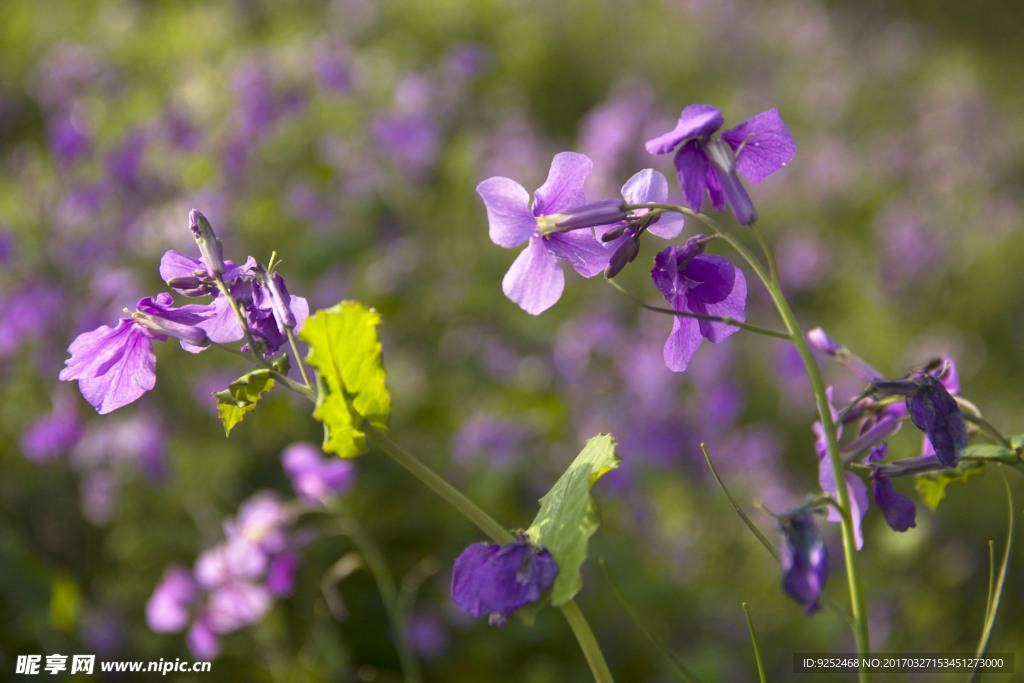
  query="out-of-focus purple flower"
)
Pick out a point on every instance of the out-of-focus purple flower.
point(262, 520)
point(316, 479)
point(697, 283)
point(934, 412)
point(495, 439)
point(754, 149)
point(647, 186)
point(281, 574)
point(54, 433)
point(68, 137)
point(115, 366)
point(899, 511)
point(413, 139)
point(169, 608)
point(426, 634)
point(28, 313)
point(202, 641)
point(804, 559)
point(235, 604)
point(535, 280)
point(333, 71)
point(497, 580)
point(124, 163)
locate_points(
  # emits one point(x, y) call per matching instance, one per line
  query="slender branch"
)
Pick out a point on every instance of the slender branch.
point(298, 356)
point(701, 316)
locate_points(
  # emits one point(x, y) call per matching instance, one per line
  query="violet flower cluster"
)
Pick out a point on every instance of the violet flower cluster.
point(235, 583)
point(115, 366)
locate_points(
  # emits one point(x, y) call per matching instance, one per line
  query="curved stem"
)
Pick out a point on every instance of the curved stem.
point(857, 600)
point(700, 316)
point(571, 611)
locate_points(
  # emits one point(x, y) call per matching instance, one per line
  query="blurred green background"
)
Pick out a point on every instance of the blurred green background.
point(349, 137)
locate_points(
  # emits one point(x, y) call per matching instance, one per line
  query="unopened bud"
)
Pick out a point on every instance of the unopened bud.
point(279, 302)
point(209, 245)
point(626, 252)
point(604, 212)
point(615, 233)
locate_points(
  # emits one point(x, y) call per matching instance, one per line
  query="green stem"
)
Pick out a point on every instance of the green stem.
point(298, 356)
point(588, 643)
point(753, 640)
point(857, 600)
point(700, 316)
point(571, 611)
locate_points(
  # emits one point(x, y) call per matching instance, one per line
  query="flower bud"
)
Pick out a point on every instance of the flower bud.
point(209, 245)
point(723, 161)
point(160, 325)
point(604, 212)
point(279, 301)
point(626, 252)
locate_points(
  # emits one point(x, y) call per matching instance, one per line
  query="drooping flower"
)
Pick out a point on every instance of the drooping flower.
point(622, 238)
point(899, 511)
point(535, 280)
point(499, 579)
point(934, 411)
point(697, 283)
point(115, 366)
point(804, 558)
point(754, 149)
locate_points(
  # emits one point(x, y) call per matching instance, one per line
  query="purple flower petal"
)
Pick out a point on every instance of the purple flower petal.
point(697, 120)
point(722, 291)
point(563, 188)
point(498, 580)
point(238, 604)
point(682, 343)
point(937, 414)
point(113, 366)
point(535, 280)
point(509, 217)
point(763, 145)
point(858, 494)
point(587, 255)
point(203, 643)
point(694, 172)
point(650, 187)
point(899, 511)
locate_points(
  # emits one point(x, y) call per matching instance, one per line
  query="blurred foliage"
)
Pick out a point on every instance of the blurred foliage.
point(348, 136)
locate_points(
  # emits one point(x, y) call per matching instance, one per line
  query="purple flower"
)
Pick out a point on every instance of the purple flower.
point(697, 283)
point(54, 433)
point(755, 149)
point(499, 579)
point(316, 479)
point(115, 366)
point(804, 559)
point(622, 238)
point(167, 610)
point(899, 511)
point(535, 281)
point(934, 411)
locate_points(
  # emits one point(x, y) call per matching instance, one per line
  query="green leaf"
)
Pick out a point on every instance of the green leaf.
point(242, 395)
point(568, 516)
point(345, 350)
point(932, 485)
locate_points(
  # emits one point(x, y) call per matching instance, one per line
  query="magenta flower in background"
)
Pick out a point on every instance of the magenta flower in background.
point(169, 608)
point(804, 558)
point(535, 280)
point(698, 283)
point(499, 579)
point(316, 479)
point(754, 149)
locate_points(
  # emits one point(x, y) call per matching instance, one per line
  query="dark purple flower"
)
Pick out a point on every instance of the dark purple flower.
point(804, 559)
point(934, 411)
point(535, 281)
point(754, 149)
point(694, 282)
point(499, 579)
point(316, 479)
point(899, 511)
point(168, 609)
